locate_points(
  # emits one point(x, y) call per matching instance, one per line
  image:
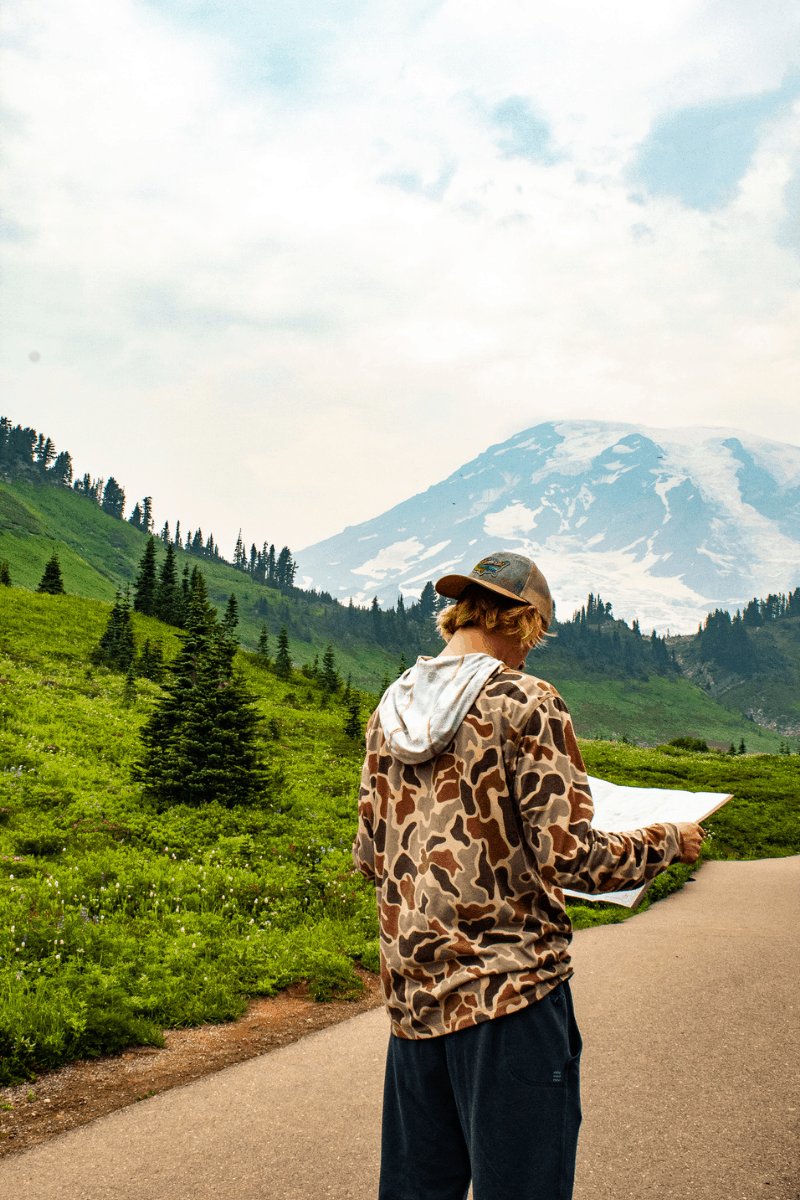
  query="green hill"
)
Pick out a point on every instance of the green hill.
point(616, 682)
point(118, 919)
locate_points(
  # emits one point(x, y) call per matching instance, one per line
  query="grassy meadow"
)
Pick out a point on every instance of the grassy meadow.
point(117, 921)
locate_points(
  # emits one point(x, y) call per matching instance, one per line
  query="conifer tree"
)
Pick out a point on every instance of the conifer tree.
point(168, 600)
point(51, 582)
point(113, 501)
point(177, 540)
point(144, 590)
point(253, 559)
point(129, 691)
point(164, 535)
point(147, 514)
point(5, 573)
point(151, 662)
point(427, 603)
point(352, 727)
point(263, 646)
point(239, 558)
point(329, 676)
point(201, 741)
point(135, 518)
point(116, 647)
point(385, 682)
point(403, 664)
point(283, 663)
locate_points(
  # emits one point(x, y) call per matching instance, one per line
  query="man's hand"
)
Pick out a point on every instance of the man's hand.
point(691, 839)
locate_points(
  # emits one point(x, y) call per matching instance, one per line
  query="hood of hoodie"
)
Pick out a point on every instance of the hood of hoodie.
point(421, 711)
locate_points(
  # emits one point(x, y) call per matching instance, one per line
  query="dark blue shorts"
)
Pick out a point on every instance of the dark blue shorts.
point(497, 1104)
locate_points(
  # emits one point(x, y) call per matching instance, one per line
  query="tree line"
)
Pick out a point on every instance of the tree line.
point(597, 641)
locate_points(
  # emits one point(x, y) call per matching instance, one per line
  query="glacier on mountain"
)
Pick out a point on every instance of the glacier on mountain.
point(665, 523)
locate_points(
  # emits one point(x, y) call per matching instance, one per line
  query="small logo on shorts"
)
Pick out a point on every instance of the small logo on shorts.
point(556, 1077)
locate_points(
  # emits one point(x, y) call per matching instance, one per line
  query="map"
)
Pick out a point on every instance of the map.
point(618, 809)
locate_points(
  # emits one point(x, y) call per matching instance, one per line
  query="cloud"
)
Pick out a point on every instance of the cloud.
point(298, 262)
point(700, 154)
point(527, 135)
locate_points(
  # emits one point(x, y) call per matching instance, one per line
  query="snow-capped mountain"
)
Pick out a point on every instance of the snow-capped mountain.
point(665, 523)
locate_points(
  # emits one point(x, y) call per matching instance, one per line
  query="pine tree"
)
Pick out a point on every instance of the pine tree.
point(352, 727)
point(116, 647)
point(385, 682)
point(151, 662)
point(113, 501)
point(201, 741)
point(135, 518)
point(5, 573)
point(177, 541)
point(167, 600)
point(129, 691)
point(164, 535)
point(427, 603)
point(403, 664)
point(61, 471)
point(51, 581)
point(239, 559)
point(329, 676)
point(144, 590)
point(283, 663)
point(147, 514)
point(263, 646)
point(253, 559)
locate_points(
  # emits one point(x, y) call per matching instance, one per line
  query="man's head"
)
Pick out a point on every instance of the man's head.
point(505, 593)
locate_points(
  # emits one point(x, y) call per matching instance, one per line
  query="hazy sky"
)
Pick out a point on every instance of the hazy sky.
point(285, 264)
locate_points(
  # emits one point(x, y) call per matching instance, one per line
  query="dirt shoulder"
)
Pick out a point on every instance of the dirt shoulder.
point(89, 1088)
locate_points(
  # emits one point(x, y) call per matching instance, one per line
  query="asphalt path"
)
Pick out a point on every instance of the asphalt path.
point(691, 1077)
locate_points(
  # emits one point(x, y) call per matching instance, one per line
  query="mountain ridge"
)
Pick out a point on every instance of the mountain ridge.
point(671, 522)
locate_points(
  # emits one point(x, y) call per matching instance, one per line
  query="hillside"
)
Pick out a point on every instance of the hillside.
point(616, 682)
point(119, 918)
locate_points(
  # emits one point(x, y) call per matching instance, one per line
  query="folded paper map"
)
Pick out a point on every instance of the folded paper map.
point(619, 809)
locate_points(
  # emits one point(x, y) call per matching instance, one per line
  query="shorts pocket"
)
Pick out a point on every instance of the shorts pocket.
point(541, 1042)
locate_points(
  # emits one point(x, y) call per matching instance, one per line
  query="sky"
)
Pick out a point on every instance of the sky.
point(283, 265)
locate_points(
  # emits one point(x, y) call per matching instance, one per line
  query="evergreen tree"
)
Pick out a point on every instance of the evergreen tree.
point(61, 471)
point(263, 646)
point(144, 590)
point(283, 663)
point(201, 741)
point(427, 603)
point(385, 682)
point(329, 676)
point(352, 727)
point(403, 664)
point(5, 573)
point(285, 569)
point(113, 501)
point(147, 514)
point(116, 647)
point(177, 542)
point(135, 518)
point(51, 581)
point(151, 662)
point(164, 535)
point(239, 557)
point(253, 559)
point(168, 600)
point(271, 566)
point(129, 691)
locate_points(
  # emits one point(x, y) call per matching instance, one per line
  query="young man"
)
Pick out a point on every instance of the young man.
point(474, 812)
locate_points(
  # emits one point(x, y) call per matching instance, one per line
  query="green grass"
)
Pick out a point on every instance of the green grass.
point(655, 712)
point(117, 921)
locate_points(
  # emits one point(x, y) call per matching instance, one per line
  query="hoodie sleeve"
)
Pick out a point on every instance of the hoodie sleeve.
point(555, 802)
point(364, 845)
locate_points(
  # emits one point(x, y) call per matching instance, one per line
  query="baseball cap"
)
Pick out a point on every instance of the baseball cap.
point(509, 574)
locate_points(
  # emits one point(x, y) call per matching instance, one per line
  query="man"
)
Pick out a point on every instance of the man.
point(474, 812)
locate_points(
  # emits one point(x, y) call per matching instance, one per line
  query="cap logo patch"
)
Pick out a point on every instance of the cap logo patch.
point(491, 567)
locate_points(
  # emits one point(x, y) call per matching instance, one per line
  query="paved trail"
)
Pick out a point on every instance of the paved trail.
point(690, 1016)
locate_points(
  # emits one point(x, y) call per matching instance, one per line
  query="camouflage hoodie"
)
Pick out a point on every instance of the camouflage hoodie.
point(474, 812)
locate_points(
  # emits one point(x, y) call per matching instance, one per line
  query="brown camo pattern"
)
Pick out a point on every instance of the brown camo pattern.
point(469, 852)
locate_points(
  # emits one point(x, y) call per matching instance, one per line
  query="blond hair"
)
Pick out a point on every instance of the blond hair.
point(494, 613)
